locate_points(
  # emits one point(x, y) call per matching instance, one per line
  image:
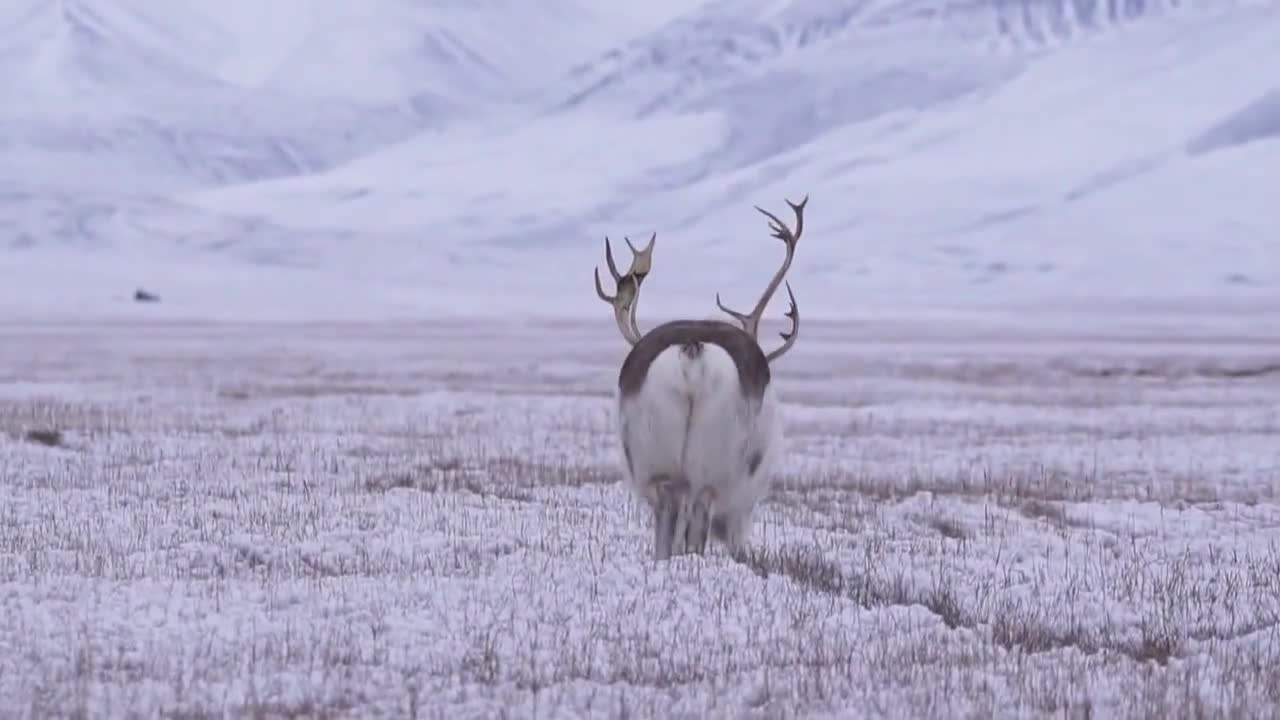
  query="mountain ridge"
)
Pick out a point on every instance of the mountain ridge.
point(952, 148)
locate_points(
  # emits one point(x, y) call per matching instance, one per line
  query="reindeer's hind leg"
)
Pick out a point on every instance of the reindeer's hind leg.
point(698, 521)
point(682, 520)
point(669, 516)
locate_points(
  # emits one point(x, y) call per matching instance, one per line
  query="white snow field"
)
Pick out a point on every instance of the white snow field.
point(426, 520)
point(360, 460)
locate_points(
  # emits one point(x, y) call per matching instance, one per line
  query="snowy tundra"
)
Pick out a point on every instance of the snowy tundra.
point(1032, 464)
point(428, 520)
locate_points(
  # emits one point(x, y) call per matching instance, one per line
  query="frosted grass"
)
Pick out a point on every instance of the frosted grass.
point(426, 521)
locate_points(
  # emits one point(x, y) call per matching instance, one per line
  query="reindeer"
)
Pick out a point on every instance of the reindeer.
point(697, 413)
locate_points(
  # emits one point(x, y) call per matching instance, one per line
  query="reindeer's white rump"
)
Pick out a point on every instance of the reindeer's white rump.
point(691, 423)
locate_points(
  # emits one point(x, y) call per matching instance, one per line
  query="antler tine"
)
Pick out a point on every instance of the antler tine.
point(788, 338)
point(742, 319)
point(780, 229)
point(642, 260)
point(641, 264)
point(613, 270)
point(600, 289)
point(751, 321)
point(627, 294)
point(608, 258)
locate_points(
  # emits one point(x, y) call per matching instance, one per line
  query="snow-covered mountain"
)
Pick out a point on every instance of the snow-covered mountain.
point(404, 157)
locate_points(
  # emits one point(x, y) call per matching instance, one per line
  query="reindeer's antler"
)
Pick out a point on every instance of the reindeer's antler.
point(751, 321)
point(627, 293)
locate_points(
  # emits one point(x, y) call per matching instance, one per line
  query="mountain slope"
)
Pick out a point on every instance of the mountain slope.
point(207, 94)
point(955, 152)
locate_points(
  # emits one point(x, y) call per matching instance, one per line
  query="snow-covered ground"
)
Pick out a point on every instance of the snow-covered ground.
point(360, 460)
point(353, 520)
point(246, 160)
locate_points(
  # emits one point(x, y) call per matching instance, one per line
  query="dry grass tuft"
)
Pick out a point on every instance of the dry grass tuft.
point(48, 438)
